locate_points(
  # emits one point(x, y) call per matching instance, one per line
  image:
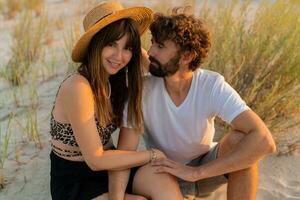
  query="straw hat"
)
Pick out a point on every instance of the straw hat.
point(103, 15)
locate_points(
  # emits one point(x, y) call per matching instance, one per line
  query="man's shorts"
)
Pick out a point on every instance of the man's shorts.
point(203, 187)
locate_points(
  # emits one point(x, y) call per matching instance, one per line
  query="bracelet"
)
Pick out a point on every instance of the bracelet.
point(153, 155)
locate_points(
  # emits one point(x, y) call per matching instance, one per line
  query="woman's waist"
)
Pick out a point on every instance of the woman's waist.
point(72, 170)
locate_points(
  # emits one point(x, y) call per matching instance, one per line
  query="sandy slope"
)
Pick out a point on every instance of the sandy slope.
point(29, 179)
point(279, 178)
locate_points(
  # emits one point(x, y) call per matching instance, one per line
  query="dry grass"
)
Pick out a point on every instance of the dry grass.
point(59, 23)
point(27, 47)
point(35, 5)
point(258, 51)
point(70, 37)
point(4, 143)
point(1, 6)
point(12, 8)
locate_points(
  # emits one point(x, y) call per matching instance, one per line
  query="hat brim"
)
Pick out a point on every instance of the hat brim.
point(142, 15)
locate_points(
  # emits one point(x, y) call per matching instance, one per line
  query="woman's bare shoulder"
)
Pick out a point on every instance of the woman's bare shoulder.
point(76, 85)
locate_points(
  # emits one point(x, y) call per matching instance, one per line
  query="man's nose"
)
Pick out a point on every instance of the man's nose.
point(150, 51)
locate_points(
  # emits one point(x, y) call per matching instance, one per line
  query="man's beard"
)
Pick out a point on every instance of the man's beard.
point(168, 69)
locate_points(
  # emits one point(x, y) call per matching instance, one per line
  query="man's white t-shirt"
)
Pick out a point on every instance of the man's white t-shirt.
point(186, 131)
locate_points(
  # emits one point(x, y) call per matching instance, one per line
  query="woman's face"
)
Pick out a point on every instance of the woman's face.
point(116, 55)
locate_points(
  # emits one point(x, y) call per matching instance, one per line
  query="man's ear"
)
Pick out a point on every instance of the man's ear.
point(187, 57)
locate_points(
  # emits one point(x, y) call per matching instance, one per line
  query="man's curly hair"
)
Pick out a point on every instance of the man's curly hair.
point(188, 33)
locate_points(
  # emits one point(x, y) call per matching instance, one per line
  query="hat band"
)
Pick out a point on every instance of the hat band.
point(99, 20)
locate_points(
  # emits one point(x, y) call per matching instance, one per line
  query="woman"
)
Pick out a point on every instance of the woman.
point(89, 104)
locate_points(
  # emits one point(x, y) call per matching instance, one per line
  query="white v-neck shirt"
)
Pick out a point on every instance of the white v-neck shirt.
point(186, 131)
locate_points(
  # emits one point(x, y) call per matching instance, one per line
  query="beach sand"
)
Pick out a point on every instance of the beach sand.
point(27, 168)
point(279, 177)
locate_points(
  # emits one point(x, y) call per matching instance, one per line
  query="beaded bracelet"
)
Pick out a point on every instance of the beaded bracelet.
point(153, 155)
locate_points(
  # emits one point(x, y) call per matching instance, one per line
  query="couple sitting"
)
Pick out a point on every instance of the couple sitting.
point(175, 106)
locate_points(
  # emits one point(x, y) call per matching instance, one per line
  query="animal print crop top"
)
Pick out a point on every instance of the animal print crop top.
point(63, 132)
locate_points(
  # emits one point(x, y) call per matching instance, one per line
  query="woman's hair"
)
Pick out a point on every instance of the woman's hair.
point(188, 33)
point(92, 69)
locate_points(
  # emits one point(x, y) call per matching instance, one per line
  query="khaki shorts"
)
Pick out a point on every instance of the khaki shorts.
point(207, 186)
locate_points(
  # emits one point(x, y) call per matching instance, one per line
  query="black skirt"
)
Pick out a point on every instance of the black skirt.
point(72, 180)
point(75, 180)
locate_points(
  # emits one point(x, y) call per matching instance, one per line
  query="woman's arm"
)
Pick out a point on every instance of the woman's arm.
point(78, 104)
point(118, 180)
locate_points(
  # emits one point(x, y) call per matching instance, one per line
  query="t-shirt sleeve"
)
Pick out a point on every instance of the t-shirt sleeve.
point(125, 117)
point(226, 102)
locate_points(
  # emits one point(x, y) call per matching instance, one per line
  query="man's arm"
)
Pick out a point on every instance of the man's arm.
point(256, 143)
point(128, 140)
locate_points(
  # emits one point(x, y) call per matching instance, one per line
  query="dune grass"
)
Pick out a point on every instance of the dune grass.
point(256, 46)
point(70, 36)
point(4, 143)
point(27, 48)
point(258, 52)
point(35, 5)
point(11, 8)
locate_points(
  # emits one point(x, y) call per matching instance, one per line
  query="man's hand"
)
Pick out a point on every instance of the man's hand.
point(179, 170)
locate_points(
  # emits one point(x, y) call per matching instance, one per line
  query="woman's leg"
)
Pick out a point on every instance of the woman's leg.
point(155, 186)
point(127, 197)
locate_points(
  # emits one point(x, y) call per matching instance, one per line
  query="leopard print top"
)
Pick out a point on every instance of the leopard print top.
point(63, 132)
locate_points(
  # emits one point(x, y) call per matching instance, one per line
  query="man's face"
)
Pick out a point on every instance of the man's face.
point(164, 58)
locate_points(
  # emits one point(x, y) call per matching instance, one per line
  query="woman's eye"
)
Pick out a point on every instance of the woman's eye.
point(112, 44)
point(129, 48)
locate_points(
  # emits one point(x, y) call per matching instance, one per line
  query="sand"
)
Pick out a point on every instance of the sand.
point(279, 177)
point(27, 167)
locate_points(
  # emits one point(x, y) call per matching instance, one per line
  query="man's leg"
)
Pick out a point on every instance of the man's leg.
point(241, 184)
point(155, 186)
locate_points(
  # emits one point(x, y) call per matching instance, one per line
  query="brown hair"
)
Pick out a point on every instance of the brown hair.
point(92, 68)
point(189, 34)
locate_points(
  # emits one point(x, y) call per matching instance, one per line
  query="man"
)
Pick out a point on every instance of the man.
point(180, 104)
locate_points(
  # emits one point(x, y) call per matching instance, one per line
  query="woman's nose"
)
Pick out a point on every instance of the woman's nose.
point(118, 54)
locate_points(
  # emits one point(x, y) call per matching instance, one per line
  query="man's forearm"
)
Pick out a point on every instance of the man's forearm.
point(248, 151)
